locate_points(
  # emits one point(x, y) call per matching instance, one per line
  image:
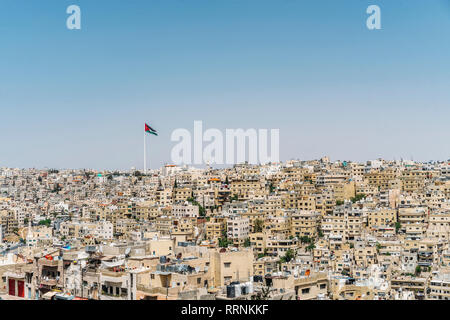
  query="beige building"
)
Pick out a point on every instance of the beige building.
point(228, 266)
point(305, 224)
point(381, 217)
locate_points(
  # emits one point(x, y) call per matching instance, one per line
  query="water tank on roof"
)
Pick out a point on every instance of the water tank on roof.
point(244, 290)
point(237, 289)
point(230, 291)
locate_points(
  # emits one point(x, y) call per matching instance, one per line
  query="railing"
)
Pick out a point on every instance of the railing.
point(112, 273)
point(49, 282)
point(49, 263)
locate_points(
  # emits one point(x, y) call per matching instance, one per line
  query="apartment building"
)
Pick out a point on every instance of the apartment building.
point(305, 223)
point(238, 229)
point(379, 217)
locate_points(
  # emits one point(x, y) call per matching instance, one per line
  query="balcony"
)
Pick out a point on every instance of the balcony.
point(109, 273)
point(48, 263)
point(49, 282)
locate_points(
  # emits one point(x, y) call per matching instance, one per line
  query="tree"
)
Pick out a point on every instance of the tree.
point(223, 242)
point(258, 225)
point(378, 245)
point(306, 239)
point(358, 197)
point(397, 226)
point(45, 222)
point(310, 247)
point(137, 173)
point(290, 254)
point(247, 243)
point(339, 202)
point(201, 211)
point(418, 270)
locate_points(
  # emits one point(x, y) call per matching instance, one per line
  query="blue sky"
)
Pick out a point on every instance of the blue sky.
point(79, 98)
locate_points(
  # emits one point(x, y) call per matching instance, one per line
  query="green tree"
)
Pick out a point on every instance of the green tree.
point(258, 225)
point(306, 239)
point(358, 197)
point(418, 270)
point(45, 222)
point(247, 243)
point(378, 245)
point(223, 243)
point(290, 254)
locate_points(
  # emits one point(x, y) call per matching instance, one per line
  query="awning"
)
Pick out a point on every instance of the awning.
point(113, 264)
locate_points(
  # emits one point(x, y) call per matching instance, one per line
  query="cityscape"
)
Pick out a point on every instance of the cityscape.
point(295, 230)
point(224, 158)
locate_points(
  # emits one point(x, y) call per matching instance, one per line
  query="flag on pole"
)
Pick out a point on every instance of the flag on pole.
point(149, 129)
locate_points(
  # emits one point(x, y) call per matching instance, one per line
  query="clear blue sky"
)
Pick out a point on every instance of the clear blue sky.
point(73, 99)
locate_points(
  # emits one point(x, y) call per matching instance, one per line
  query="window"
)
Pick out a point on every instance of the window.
point(227, 264)
point(305, 291)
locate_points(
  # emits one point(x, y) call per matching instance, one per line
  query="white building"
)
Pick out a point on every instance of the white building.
point(104, 230)
point(189, 211)
point(238, 228)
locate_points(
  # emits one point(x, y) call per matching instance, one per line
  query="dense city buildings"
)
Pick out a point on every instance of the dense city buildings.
point(297, 230)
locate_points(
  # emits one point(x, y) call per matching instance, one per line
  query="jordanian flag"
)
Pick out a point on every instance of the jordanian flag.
point(150, 130)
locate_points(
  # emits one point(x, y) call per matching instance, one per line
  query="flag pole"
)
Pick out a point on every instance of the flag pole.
point(145, 153)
